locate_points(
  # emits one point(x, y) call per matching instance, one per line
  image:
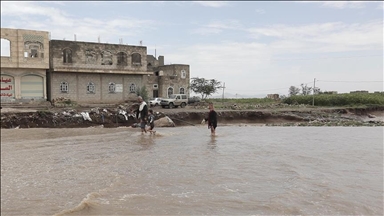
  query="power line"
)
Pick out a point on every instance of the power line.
point(347, 81)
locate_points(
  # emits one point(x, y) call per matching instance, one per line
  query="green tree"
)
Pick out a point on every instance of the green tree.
point(143, 93)
point(317, 90)
point(205, 87)
point(293, 90)
point(305, 90)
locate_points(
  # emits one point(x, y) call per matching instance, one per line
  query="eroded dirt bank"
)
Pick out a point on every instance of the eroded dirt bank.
point(118, 117)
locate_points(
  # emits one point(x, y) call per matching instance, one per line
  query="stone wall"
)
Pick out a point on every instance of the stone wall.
point(78, 82)
point(28, 49)
point(27, 62)
point(87, 57)
point(32, 56)
point(173, 77)
point(13, 77)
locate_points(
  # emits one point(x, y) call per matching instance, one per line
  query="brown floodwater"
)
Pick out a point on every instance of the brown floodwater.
point(244, 170)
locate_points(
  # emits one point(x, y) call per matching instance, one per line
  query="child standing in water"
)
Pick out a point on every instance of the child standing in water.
point(151, 121)
point(212, 119)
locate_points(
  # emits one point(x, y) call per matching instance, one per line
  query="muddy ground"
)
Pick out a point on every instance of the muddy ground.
point(119, 115)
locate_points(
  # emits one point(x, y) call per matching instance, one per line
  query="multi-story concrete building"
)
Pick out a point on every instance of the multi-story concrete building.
point(95, 72)
point(24, 62)
point(38, 68)
point(108, 73)
point(167, 79)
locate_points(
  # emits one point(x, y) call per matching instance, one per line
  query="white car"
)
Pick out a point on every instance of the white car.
point(155, 102)
point(175, 100)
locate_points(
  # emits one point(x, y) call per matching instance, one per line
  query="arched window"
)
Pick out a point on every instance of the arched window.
point(67, 55)
point(33, 48)
point(121, 58)
point(5, 48)
point(106, 58)
point(183, 74)
point(132, 88)
point(90, 56)
point(112, 87)
point(182, 90)
point(170, 91)
point(91, 88)
point(136, 59)
point(64, 87)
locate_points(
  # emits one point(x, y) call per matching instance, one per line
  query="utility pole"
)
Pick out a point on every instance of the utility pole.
point(313, 95)
point(223, 92)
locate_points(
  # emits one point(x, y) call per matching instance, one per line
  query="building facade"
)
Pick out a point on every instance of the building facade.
point(95, 72)
point(24, 63)
point(109, 73)
point(167, 79)
point(38, 68)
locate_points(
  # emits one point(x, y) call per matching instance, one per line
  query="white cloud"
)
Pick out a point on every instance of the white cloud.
point(229, 24)
point(324, 37)
point(343, 4)
point(29, 9)
point(258, 64)
point(225, 60)
point(380, 6)
point(206, 31)
point(338, 4)
point(215, 4)
point(260, 11)
point(216, 27)
point(63, 25)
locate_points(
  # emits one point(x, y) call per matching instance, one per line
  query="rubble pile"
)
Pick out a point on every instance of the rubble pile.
point(122, 115)
point(107, 117)
point(61, 102)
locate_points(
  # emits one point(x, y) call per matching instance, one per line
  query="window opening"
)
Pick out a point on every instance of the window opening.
point(67, 56)
point(5, 48)
point(91, 88)
point(64, 87)
point(170, 91)
point(132, 88)
point(183, 74)
point(33, 53)
point(112, 87)
point(121, 58)
point(136, 59)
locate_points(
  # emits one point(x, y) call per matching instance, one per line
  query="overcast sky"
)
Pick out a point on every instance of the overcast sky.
point(256, 48)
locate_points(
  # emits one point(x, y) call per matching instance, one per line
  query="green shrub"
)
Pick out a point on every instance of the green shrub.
point(242, 100)
point(368, 99)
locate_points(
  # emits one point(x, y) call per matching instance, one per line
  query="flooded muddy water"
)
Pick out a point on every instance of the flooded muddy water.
point(185, 171)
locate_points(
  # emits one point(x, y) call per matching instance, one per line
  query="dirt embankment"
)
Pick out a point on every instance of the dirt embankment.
point(119, 116)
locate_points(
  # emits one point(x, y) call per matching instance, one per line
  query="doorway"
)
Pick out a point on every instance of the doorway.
point(155, 93)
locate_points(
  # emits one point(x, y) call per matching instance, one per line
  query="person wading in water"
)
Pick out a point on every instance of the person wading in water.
point(142, 114)
point(212, 119)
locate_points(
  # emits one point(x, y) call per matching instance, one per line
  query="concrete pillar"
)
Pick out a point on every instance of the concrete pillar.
point(161, 60)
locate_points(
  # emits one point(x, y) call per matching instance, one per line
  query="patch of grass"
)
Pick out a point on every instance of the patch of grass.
point(351, 100)
point(242, 101)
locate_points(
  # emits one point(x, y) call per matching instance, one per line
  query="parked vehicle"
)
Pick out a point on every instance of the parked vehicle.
point(193, 99)
point(174, 100)
point(155, 102)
